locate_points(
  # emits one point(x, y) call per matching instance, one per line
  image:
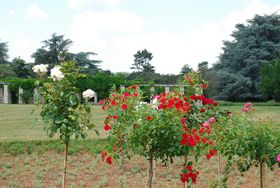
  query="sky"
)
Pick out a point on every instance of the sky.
point(176, 32)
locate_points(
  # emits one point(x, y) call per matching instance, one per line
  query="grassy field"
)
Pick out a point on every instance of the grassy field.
point(28, 158)
point(17, 122)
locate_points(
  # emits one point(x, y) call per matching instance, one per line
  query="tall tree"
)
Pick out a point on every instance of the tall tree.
point(202, 68)
point(3, 52)
point(270, 80)
point(185, 69)
point(255, 44)
point(20, 67)
point(49, 52)
point(142, 61)
point(85, 62)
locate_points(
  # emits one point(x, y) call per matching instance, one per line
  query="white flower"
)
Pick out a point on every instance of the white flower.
point(40, 69)
point(56, 74)
point(88, 94)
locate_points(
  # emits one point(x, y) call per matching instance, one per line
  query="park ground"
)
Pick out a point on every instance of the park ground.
point(28, 158)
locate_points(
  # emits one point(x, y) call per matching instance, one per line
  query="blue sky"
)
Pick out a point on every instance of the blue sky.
point(177, 32)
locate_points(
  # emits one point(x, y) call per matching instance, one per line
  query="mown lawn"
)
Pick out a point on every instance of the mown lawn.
point(17, 122)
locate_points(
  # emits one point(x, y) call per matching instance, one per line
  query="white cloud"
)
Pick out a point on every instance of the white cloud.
point(117, 35)
point(21, 47)
point(36, 14)
point(12, 12)
point(76, 4)
point(108, 2)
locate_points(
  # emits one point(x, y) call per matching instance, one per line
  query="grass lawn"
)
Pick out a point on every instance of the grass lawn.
point(17, 122)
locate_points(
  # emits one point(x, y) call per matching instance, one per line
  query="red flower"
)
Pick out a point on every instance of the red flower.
point(189, 168)
point(113, 103)
point(202, 110)
point(103, 108)
point(115, 116)
point(193, 97)
point(203, 140)
point(215, 104)
point(212, 151)
point(184, 136)
point(208, 156)
point(148, 118)
point(204, 86)
point(135, 94)
point(125, 94)
point(124, 106)
point(191, 141)
point(103, 155)
point(107, 127)
point(100, 102)
point(133, 87)
point(183, 142)
point(109, 160)
point(135, 125)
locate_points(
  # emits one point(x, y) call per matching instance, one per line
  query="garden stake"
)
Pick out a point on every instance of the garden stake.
point(65, 163)
point(150, 172)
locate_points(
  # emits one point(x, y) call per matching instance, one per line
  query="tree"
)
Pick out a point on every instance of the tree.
point(87, 65)
point(255, 44)
point(142, 61)
point(202, 68)
point(270, 80)
point(6, 71)
point(49, 52)
point(3, 52)
point(185, 69)
point(20, 67)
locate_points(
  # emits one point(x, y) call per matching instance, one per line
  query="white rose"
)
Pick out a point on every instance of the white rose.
point(88, 94)
point(56, 74)
point(40, 69)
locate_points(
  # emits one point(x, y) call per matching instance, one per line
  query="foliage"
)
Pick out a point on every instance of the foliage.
point(142, 61)
point(185, 69)
point(270, 80)
point(247, 142)
point(6, 71)
point(83, 60)
point(254, 45)
point(49, 52)
point(3, 52)
point(62, 110)
point(21, 68)
point(175, 125)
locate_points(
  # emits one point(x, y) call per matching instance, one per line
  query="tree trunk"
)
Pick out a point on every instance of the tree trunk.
point(186, 162)
point(150, 172)
point(65, 164)
point(154, 169)
point(262, 165)
point(219, 163)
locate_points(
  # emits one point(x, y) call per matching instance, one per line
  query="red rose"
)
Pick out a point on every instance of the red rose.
point(109, 160)
point(124, 106)
point(107, 127)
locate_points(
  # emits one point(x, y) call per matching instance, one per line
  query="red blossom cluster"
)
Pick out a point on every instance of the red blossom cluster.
point(108, 159)
point(211, 153)
point(190, 174)
point(119, 100)
point(171, 100)
point(205, 101)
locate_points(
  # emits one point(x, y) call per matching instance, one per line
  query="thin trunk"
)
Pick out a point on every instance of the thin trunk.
point(154, 169)
point(150, 172)
point(219, 163)
point(186, 162)
point(65, 164)
point(262, 165)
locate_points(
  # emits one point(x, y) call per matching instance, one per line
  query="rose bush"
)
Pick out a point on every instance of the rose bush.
point(176, 125)
point(62, 112)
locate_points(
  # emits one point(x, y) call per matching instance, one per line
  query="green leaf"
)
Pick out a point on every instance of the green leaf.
point(74, 101)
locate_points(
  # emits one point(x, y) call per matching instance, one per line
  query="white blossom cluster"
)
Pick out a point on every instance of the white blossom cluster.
point(88, 94)
point(56, 74)
point(40, 69)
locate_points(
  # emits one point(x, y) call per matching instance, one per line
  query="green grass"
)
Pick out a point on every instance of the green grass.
point(17, 123)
